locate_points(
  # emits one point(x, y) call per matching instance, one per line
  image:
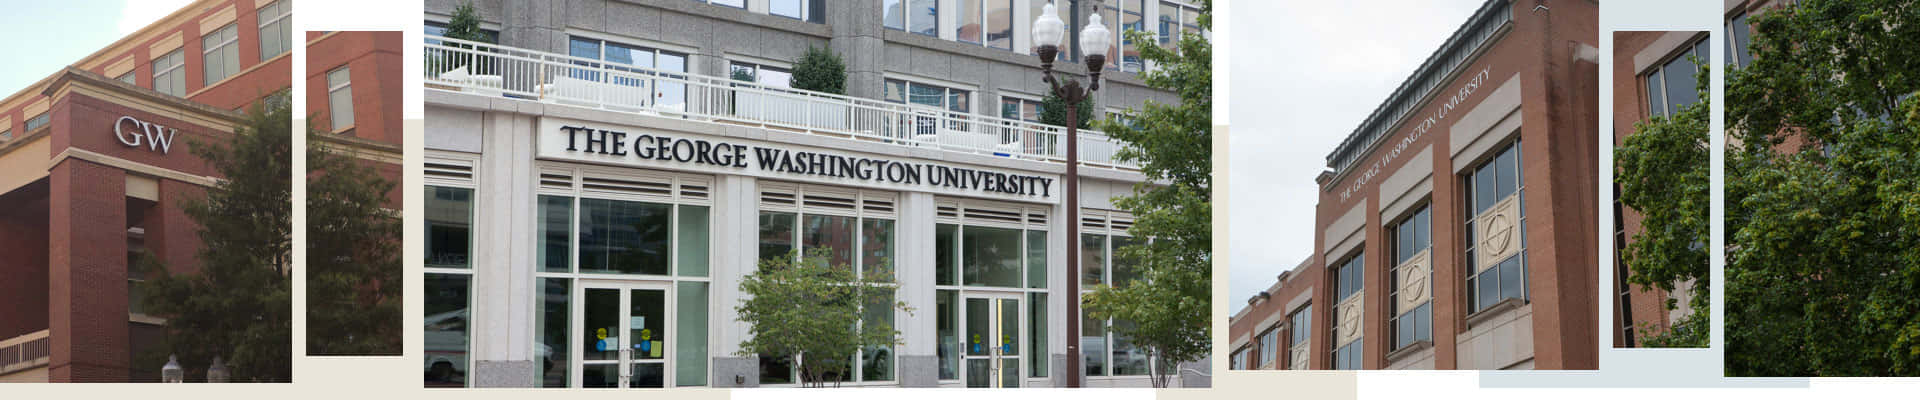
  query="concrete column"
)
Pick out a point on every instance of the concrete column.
point(736, 224)
point(1058, 267)
point(87, 263)
point(858, 29)
point(503, 267)
point(919, 359)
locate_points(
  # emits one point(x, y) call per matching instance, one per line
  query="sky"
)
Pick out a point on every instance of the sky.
point(1304, 75)
point(58, 33)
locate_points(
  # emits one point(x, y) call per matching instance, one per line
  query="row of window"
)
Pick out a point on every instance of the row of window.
point(1495, 181)
point(220, 51)
point(804, 10)
point(991, 23)
point(37, 121)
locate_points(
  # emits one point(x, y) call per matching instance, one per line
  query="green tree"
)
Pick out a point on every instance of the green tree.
point(820, 70)
point(465, 25)
point(238, 305)
point(1169, 308)
point(806, 306)
point(1822, 199)
point(1663, 169)
point(353, 255)
point(1053, 111)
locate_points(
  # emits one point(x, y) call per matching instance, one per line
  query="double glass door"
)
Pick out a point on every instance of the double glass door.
point(992, 340)
point(623, 337)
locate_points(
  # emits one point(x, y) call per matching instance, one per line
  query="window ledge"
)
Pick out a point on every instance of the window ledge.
point(1499, 308)
point(1403, 352)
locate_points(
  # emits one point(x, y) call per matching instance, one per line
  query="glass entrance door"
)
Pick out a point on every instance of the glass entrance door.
point(624, 341)
point(992, 340)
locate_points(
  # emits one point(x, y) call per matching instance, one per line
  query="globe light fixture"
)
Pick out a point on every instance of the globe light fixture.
point(1094, 42)
point(171, 373)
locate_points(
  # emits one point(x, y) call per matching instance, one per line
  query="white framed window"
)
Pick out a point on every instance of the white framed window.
point(169, 73)
point(1412, 317)
point(340, 98)
point(916, 16)
point(858, 228)
point(617, 55)
point(1495, 184)
point(276, 31)
point(765, 75)
point(1103, 233)
point(6, 135)
point(902, 91)
point(804, 10)
point(449, 274)
point(220, 54)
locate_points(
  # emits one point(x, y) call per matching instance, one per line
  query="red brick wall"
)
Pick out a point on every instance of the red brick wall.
point(88, 264)
point(374, 63)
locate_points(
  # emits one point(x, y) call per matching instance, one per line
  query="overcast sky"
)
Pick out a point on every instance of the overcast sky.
point(44, 36)
point(1304, 74)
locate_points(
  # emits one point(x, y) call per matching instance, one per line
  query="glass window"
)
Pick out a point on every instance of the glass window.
point(876, 248)
point(1129, 359)
point(39, 120)
point(221, 54)
point(1411, 236)
point(6, 135)
point(970, 28)
point(1741, 36)
point(728, 3)
point(624, 237)
point(1302, 323)
point(169, 73)
point(1093, 344)
point(1132, 18)
point(128, 78)
point(446, 331)
point(693, 240)
point(1093, 260)
point(340, 98)
point(556, 234)
point(1125, 269)
point(1269, 343)
point(666, 93)
point(1019, 109)
point(1671, 86)
point(876, 362)
point(1037, 270)
point(553, 323)
point(776, 234)
point(449, 227)
point(1169, 22)
point(276, 32)
point(1508, 278)
point(923, 17)
point(832, 232)
point(773, 77)
point(1347, 281)
point(1037, 357)
point(946, 253)
point(1347, 357)
point(947, 314)
point(991, 256)
point(690, 352)
point(796, 9)
point(999, 19)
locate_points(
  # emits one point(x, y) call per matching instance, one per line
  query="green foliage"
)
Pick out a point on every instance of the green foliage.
point(1170, 306)
point(820, 70)
point(1823, 254)
point(238, 305)
point(353, 255)
point(1663, 174)
point(808, 307)
point(465, 25)
point(1053, 111)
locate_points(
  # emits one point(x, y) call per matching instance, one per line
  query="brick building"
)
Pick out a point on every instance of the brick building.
point(1653, 77)
point(93, 165)
point(1456, 225)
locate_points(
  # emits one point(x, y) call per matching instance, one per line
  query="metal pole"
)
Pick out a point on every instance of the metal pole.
point(1072, 187)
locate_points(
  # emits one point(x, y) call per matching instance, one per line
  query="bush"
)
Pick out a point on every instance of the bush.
point(820, 70)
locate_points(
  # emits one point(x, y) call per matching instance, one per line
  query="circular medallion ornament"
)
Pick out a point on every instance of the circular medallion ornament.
point(1413, 281)
point(1499, 234)
point(1350, 318)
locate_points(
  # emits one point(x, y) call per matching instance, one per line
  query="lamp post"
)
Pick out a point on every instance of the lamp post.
point(1048, 31)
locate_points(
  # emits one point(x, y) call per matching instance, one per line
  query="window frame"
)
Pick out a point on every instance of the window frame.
point(1468, 182)
point(860, 215)
point(172, 74)
point(958, 218)
point(906, 18)
point(280, 25)
point(1356, 263)
point(37, 121)
point(336, 89)
point(228, 48)
point(1420, 216)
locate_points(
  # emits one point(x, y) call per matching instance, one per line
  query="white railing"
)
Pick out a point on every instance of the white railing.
point(492, 70)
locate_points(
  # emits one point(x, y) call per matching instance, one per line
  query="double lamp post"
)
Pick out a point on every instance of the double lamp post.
point(1095, 39)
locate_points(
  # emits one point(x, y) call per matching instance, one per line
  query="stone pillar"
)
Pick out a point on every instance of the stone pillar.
point(736, 223)
point(503, 255)
point(87, 263)
point(858, 32)
point(919, 358)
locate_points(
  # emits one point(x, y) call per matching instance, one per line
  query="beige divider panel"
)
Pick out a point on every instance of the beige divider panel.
point(1497, 233)
point(1349, 321)
point(1414, 288)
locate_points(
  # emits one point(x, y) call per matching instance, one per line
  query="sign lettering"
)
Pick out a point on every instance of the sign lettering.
point(154, 136)
point(1439, 114)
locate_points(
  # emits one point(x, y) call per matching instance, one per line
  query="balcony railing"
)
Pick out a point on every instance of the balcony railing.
point(492, 70)
point(24, 352)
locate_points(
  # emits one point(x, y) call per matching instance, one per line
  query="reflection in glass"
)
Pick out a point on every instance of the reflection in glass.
point(556, 230)
point(551, 335)
point(1128, 358)
point(991, 256)
point(1093, 260)
point(1124, 268)
point(1093, 344)
point(877, 361)
point(979, 373)
point(947, 329)
point(690, 354)
point(1037, 259)
point(835, 233)
point(648, 314)
point(1037, 333)
point(776, 235)
point(978, 337)
point(693, 241)
point(624, 237)
point(945, 253)
point(601, 338)
point(970, 21)
point(876, 246)
point(600, 375)
point(923, 17)
point(446, 330)
point(449, 227)
point(648, 375)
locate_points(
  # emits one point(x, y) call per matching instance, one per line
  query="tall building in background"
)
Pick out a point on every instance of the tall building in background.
point(1456, 224)
point(601, 178)
point(93, 168)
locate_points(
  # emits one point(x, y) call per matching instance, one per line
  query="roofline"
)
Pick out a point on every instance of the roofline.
point(123, 44)
point(1404, 92)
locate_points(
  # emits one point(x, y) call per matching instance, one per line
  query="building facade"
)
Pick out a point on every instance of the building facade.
point(1653, 77)
point(90, 181)
point(601, 180)
point(1456, 224)
point(352, 80)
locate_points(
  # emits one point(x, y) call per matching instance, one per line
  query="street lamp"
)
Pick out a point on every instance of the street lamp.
point(1048, 30)
point(171, 373)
